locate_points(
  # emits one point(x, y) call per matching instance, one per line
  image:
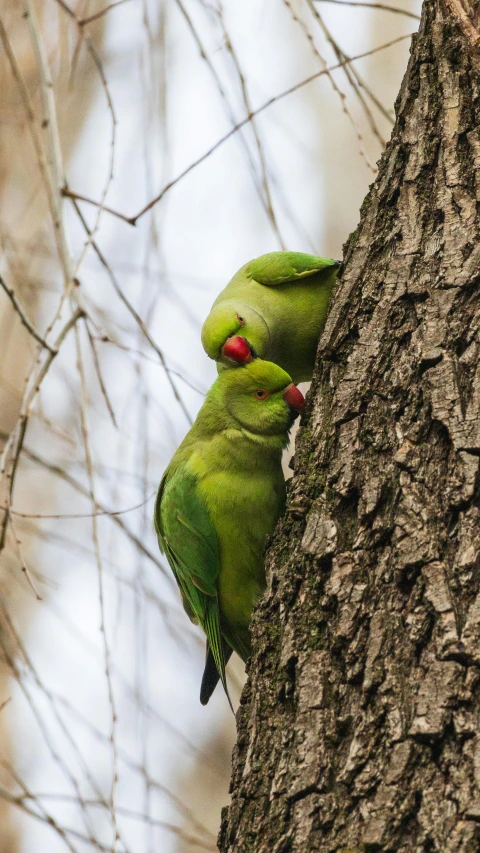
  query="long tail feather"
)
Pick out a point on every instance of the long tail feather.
point(215, 641)
point(211, 677)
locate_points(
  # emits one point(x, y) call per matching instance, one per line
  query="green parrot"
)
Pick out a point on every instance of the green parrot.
point(275, 307)
point(219, 498)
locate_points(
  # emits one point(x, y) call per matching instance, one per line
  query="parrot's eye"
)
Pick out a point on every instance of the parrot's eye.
point(261, 394)
point(241, 320)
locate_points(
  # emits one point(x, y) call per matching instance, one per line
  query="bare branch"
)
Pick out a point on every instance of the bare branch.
point(343, 100)
point(98, 64)
point(15, 440)
point(265, 196)
point(123, 810)
point(381, 6)
point(134, 314)
point(78, 487)
point(23, 317)
point(23, 562)
point(101, 382)
point(101, 592)
point(34, 133)
point(64, 832)
point(97, 512)
point(132, 220)
point(68, 193)
point(50, 127)
point(261, 154)
point(84, 21)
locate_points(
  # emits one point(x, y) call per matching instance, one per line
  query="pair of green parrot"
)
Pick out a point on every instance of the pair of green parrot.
point(224, 489)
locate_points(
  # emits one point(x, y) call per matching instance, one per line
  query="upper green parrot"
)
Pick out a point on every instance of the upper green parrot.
point(220, 497)
point(278, 304)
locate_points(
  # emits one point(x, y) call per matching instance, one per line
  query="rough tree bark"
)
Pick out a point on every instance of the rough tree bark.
point(360, 722)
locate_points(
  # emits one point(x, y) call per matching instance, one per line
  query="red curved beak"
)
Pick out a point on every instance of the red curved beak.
point(295, 399)
point(237, 349)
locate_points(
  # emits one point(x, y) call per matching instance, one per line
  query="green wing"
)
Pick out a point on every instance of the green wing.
point(280, 267)
point(187, 537)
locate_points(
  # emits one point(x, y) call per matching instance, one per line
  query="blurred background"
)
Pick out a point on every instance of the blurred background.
point(225, 113)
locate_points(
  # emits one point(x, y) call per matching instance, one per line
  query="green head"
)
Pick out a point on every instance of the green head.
point(261, 397)
point(231, 318)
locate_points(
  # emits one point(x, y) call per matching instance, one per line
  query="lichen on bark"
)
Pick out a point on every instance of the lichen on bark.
point(359, 727)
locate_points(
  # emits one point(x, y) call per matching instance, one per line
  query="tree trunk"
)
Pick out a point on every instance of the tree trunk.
point(360, 722)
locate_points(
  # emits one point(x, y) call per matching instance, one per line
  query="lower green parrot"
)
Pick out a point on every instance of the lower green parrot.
point(219, 498)
point(278, 304)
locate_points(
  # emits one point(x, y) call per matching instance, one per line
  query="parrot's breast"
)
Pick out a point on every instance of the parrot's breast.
point(244, 509)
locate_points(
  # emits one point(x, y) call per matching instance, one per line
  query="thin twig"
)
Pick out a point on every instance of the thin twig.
point(98, 371)
point(132, 220)
point(104, 339)
point(387, 114)
point(82, 22)
point(130, 813)
point(132, 765)
point(263, 196)
point(78, 487)
point(354, 77)
point(32, 126)
point(381, 6)
point(343, 100)
point(134, 314)
point(50, 742)
point(101, 592)
point(349, 72)
point(97, 512)
point(50, 126)
point(23, 562)
point(15, 440)
point(63, 832)
point(261, 155)
point(98, 64)
point(14, 668)
point(84, 38)
point(23, 317)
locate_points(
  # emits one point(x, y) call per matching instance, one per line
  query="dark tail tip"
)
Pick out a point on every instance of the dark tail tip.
point(211, 677)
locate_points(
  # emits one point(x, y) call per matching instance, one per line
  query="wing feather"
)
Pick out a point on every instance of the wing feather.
point(188, 538)
point(280, 267)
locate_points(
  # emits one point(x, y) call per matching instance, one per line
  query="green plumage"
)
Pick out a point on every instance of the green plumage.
point(279, 303)
point(219, 498)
